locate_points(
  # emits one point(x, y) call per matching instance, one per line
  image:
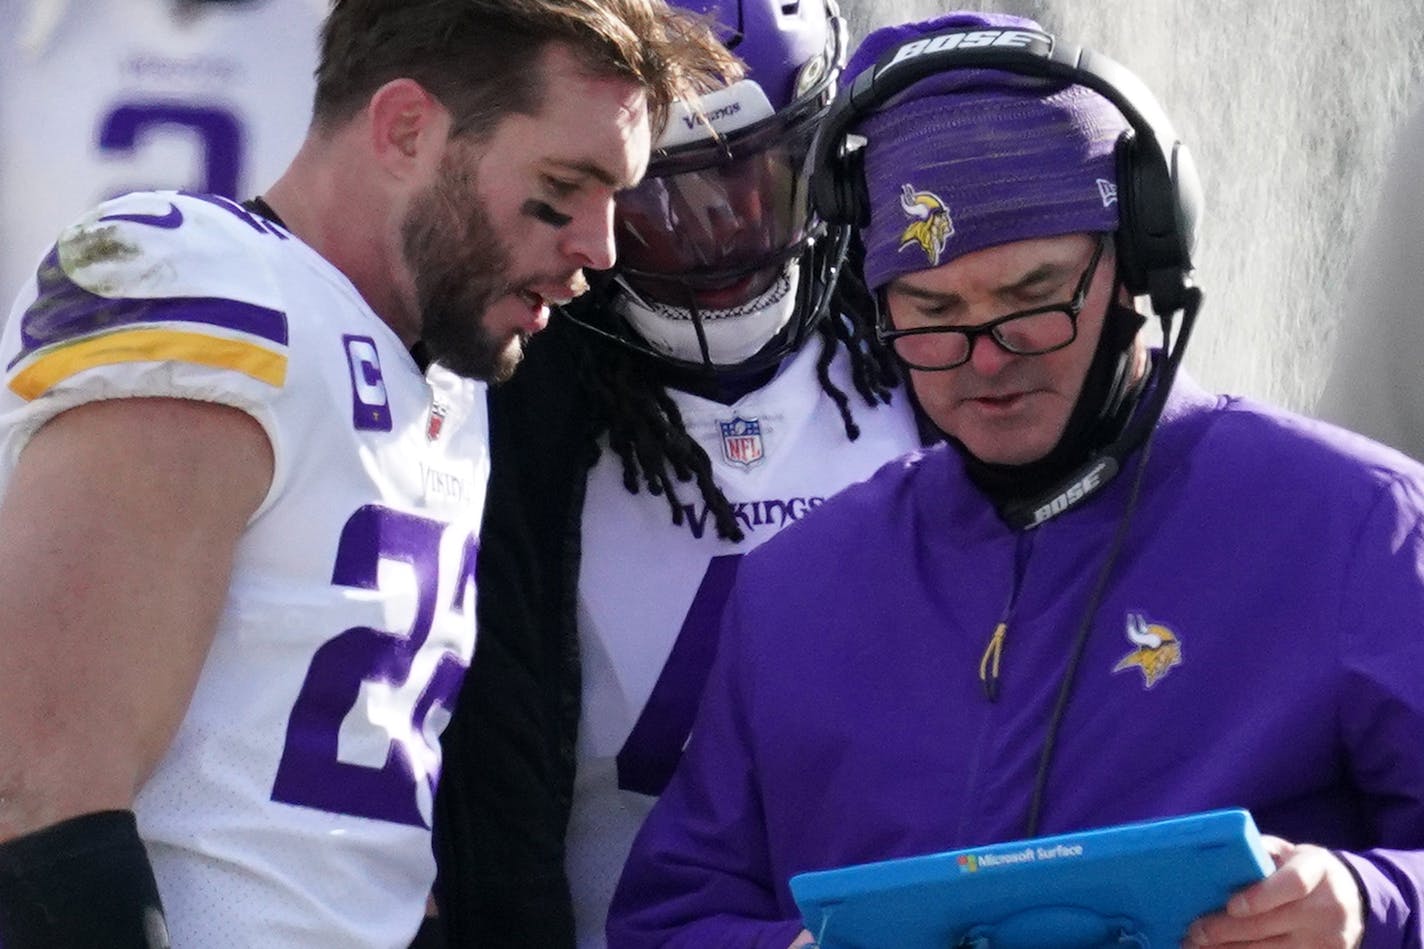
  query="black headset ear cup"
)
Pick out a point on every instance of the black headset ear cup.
point(854, 196)
point(837, 185)
point(1130, 264)
point(823, 181)
point(1153, 226)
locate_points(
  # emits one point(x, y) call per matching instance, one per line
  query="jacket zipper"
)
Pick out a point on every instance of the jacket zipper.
point(991, 662)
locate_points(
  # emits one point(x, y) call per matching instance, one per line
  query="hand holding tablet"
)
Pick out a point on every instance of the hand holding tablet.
point(1137, 884)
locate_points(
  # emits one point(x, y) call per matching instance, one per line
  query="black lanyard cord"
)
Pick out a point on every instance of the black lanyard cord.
point(1080, 642)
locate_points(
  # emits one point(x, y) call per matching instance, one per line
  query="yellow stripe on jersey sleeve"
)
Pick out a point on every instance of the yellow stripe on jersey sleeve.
point(148, 345)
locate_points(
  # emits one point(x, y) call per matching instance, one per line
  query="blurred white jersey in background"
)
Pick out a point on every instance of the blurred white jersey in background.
point(100, 97)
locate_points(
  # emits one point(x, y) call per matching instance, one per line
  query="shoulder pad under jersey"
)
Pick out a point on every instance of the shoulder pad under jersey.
point(158, 278)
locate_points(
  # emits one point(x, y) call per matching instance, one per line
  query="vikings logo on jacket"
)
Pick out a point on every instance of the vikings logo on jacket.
point(1157, 649)
point(930, 226)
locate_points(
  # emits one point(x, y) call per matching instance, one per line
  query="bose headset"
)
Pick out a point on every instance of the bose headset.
point(1159, 194)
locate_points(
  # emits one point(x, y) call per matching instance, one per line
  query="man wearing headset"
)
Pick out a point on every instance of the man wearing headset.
point(1108, 597)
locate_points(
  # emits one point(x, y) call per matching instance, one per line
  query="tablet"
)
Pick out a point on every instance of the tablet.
point(1133, 885)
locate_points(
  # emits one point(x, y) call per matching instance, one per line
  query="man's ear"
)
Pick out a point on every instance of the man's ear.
point(409, 128)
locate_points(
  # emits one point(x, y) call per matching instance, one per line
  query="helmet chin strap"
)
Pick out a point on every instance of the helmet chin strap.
point(809, 278)
point(712, 337)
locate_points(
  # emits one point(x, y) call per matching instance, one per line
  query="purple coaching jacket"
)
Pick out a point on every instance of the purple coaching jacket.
point(1259, 643)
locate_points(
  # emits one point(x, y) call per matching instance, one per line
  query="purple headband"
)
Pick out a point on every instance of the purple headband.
point(970, 158)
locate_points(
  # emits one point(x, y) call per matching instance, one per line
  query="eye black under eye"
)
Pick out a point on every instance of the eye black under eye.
point(545, 213)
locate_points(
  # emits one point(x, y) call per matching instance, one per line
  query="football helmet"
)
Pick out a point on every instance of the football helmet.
point(721, 266)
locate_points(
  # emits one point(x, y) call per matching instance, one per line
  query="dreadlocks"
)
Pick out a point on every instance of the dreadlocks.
point(645, 428)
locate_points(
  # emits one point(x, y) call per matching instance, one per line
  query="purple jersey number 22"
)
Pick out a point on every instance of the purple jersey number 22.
point(310, 773)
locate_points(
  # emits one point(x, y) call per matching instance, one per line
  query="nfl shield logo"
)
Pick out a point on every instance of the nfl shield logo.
point(436, 422)
point(741, 441)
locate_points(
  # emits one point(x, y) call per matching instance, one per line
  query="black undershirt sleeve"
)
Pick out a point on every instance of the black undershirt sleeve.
point(84, 883)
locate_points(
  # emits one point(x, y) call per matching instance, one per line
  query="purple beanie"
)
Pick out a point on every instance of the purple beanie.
point(971, 158)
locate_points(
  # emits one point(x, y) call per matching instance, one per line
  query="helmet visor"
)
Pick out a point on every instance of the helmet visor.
point(720, 218)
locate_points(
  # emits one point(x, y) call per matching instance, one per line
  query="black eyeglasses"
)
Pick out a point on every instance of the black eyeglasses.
point(1033, 332)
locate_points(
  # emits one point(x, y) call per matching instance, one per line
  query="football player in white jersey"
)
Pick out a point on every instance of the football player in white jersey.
point(243, 454)
point(102, 97)
point(719, 351)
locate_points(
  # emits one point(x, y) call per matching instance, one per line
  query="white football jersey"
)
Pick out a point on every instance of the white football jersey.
point(294, 805)
point(101, 97)
point(651, 592)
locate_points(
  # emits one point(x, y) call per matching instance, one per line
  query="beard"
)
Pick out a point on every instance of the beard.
point(460, 269)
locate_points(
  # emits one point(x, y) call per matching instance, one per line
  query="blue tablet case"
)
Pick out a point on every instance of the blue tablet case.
point(1133, 885)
